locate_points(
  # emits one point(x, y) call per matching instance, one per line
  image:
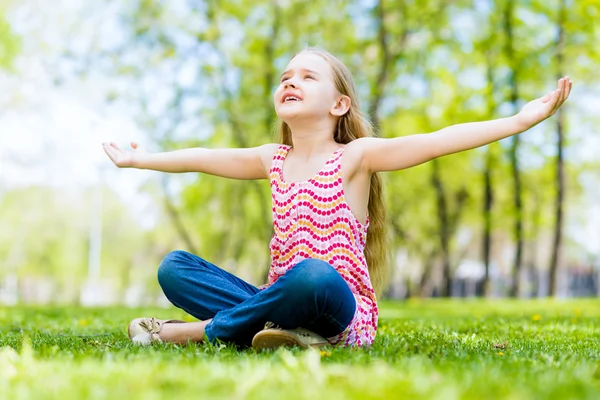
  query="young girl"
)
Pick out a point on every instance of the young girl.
point(328, 214)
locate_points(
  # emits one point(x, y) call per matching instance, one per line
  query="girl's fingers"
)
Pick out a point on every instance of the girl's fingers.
point(113, 153)
point(547, 97)
point(560, 84)
point(109, 152)
point(551, 102)
point(566, 88)
point(134, 145)
point(556, 100)
point(569, 85)
point(563, 93)
point(115, 147)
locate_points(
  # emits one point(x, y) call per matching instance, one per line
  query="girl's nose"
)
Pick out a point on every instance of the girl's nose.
point(289, 82)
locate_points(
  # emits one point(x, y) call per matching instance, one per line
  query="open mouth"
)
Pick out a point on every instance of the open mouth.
point(290, 98)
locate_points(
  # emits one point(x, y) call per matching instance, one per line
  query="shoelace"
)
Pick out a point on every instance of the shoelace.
point(272, 325)
point(150, 325)
point(153, 327)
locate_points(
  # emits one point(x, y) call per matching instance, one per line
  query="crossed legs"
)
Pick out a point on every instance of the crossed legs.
point(311, 295)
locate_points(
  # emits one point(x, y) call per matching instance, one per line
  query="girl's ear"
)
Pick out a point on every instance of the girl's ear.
point(341, 106)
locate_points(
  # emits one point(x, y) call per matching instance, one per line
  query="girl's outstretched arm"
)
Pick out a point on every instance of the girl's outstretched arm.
point(403, 152)
point(249, 163)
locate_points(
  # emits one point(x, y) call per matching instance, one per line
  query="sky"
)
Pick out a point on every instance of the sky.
point(52, 134)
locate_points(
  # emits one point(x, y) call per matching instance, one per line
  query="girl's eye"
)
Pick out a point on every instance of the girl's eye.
point(309, 77)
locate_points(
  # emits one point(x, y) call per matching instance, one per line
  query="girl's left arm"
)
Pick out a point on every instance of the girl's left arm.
point(407, 151)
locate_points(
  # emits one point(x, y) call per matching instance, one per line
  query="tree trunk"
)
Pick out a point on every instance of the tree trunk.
point(488, 201)
point(444, 228)
point(560, 175)
point(514, 154)
point(533, 263)
point(487, 221)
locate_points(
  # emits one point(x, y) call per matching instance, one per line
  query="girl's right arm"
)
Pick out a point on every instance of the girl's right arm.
point(247, 163)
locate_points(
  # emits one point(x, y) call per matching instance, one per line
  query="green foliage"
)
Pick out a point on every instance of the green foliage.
point(424, 349)
point(10, 44)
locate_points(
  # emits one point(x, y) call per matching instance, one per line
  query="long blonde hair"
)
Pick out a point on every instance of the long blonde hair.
point(351, 126)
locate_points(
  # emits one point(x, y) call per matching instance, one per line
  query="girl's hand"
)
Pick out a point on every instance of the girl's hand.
point(123, 159)
point(538, 110)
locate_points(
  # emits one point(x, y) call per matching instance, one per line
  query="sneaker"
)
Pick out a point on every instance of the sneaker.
point(272, 337)
point(144, 331)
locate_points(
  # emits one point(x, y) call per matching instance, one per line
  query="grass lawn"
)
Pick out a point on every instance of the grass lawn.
point(433, 349)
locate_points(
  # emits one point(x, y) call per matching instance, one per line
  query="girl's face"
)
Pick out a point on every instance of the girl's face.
point(306, 89)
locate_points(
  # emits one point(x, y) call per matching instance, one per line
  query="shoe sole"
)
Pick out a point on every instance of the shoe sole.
point(273, 339)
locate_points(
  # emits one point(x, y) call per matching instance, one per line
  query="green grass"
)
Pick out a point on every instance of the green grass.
point(437, 349)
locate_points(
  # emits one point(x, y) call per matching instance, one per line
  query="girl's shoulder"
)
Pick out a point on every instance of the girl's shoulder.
point(267, 152)
point(353, 156)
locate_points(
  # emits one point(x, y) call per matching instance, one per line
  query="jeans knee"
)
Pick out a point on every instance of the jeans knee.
point(169, 270)
point(312, 276)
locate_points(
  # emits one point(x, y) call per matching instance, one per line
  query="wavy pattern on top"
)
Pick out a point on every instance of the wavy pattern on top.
point(313, 220)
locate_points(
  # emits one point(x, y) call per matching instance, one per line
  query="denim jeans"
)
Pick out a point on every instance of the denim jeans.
point(310, 295)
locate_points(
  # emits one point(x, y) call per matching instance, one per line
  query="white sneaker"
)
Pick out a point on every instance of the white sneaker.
point(144, 331)
point(272, 337)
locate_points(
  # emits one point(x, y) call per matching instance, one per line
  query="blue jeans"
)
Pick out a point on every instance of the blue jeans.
point(310, 295)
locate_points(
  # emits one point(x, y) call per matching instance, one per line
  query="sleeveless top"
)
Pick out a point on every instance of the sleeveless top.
point(311, 219)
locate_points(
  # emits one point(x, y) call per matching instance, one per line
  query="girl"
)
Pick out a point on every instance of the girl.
point(327, 251)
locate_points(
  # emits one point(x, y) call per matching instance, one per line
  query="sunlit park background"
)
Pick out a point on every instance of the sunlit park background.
point(516, 219)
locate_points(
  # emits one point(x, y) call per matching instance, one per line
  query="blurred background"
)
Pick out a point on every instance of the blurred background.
point(517, 218)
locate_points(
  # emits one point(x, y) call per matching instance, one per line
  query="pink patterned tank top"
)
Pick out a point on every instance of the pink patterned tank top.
point(312, 220)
